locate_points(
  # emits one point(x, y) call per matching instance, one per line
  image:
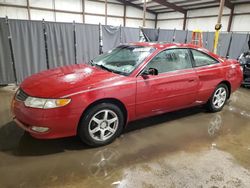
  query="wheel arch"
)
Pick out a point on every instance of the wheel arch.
point(107, 100)
point(228, 84)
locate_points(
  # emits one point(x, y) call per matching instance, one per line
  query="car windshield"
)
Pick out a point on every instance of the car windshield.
point(123, 59)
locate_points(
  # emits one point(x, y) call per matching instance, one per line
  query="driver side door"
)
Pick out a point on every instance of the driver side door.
point(174, 87)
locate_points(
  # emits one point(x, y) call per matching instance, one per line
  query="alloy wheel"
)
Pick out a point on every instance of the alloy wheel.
point(219, 97)
point(103, 125)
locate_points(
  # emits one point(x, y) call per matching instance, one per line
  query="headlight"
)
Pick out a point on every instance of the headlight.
point(45, 103)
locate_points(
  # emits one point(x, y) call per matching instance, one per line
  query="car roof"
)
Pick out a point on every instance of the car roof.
point(165, 45)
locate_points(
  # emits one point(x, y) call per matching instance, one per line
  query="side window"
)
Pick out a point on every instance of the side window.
point(202, 59)
point(171, 60)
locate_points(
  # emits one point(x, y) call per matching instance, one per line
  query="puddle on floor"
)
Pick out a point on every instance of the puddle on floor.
point(189, 148)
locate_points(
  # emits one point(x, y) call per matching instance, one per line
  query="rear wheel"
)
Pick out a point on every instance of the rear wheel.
point(218, 99)
point(101, 124)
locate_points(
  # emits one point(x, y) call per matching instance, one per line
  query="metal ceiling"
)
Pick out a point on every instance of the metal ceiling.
point(164, 6)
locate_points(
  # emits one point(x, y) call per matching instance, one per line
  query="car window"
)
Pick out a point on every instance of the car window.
point(171, 60)
point(202, 59)
point(123, 59)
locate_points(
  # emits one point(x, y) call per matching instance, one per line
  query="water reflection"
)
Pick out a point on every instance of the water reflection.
point(103, 163)
point(215, 124)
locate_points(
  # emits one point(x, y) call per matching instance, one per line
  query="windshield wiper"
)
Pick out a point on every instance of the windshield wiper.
point(103, 67)
point(91, 62)
point(110, 70)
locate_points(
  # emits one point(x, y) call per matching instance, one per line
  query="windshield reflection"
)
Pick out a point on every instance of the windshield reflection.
point(123, 59)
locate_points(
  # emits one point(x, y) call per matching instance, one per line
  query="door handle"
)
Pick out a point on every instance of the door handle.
point(191, 80)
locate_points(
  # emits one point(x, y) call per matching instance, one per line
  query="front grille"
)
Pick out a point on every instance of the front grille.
point(21, 95)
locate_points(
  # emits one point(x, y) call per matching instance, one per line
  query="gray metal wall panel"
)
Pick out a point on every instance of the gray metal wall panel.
point(180, 36)
point(205, 35)
point(6, 71)
point(60, 40)
point(238, 45)
point(130, 34)
point(87, 40)
point(208, 40)
point(223, 44)
point(151, 34)
point(166, 35)
point(28, 47)
point(189, 37)
point(111, 37)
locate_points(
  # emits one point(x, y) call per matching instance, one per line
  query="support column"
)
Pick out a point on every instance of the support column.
point(156, 19)
point(230, 19)
point(28, 7)
point(218, 26)
point(83, 11)
point(106, 12)
point(144, 13)
point(222, 3)
point(54, 9)
point(184, 21)
point(124, 14)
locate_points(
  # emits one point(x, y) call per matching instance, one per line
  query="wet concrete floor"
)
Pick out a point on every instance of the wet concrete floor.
point(187, 148)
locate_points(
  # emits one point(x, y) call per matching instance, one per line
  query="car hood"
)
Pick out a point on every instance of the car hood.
point(52, 82)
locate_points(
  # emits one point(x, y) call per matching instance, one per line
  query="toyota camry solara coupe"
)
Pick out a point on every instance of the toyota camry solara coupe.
point(133, 81)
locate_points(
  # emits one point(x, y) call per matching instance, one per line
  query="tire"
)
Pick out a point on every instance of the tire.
point(101, 124)
point(218, 98)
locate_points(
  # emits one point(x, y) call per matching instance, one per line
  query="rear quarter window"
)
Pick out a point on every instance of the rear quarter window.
point(202, 59)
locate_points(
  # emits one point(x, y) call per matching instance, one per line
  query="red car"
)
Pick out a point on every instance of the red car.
point(96, 100)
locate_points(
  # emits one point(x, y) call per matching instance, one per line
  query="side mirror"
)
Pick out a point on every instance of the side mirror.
point(150, 71)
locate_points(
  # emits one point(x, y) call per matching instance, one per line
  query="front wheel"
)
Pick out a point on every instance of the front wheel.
point(218, 99)
point(101, 124)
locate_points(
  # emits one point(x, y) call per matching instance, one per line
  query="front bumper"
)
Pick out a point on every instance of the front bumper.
point(31, 129)
point(61, 122)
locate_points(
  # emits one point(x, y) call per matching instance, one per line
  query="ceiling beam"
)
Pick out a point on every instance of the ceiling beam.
point(171, 5)
point(154, 6)
point(134, 5)
point(205, 7)
point(202, 3)
point(160, 9)
point(148, 3)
